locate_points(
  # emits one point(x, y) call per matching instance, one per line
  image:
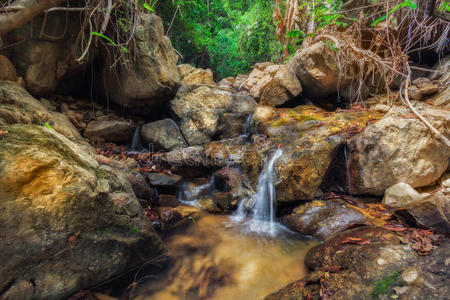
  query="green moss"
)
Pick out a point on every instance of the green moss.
point(384, 285)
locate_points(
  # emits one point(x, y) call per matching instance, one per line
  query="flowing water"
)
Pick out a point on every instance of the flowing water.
point(136, 143)
point(262, 215)
point(214, 259)
point(246, 256)
point(347, 172)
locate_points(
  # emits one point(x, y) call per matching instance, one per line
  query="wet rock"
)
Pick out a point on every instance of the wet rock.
point(428, 210)
point(208, 204)
point(7, 69)
point(162, 179)
point(154, 77)
point(192, 75)
point(140, 185)
point(168, 200)
point(409, 151)
point(110, 131)
point(195, 188)
point(317, 70)
point(67, 223)
point(200, 108)
point(323, 219)
point(345, 268)
point(163, 135)
point(225, 201)
point(272, 84)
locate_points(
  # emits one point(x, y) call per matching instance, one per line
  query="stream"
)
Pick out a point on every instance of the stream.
point(217, 258)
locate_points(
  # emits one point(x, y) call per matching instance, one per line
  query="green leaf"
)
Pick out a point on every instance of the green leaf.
point(103, 37)
point(47, 125)
point(146, 6)
point(295, 33)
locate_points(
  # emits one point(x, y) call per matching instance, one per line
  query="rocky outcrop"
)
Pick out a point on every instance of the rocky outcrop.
point(346, 269)
point(323, 219)
point(7, 69)
point(163, 135)
point(110, 131)
point(192, 75)
point(153, 77)
point(310, 139)
point(399, 148)
point(17, 106)
point(202, 109)
point(67, 222)
point(428, 210)
point(43, 60)
point(318, 71)
point(272, 84)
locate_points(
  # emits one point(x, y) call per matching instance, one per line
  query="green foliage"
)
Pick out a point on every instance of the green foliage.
point(47, 125)
point(383, 286)
point(408, 3)
point(226, 35)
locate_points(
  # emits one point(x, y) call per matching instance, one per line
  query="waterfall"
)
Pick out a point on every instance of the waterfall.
point(263, 212)
point(347, 172)
point(136, 143)
point(247, 125)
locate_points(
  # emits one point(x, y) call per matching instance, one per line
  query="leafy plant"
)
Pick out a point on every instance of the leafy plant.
point(47, 125)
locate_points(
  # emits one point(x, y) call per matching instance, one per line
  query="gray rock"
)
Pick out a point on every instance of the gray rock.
point(318, 71)
point(163, 134)
point(323, 219)
point(409, 152)
point(428, 210)
point(162, 179)
point(153, 77)
point(110, 131)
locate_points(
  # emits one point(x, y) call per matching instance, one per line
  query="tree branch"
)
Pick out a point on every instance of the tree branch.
point(31, 9)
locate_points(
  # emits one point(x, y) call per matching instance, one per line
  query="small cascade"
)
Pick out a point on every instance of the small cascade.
point(263, 212)
point(136, 143)
point(247, 125)
point(347, 172)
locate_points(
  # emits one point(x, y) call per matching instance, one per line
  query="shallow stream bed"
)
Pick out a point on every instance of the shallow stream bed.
point(217, 258)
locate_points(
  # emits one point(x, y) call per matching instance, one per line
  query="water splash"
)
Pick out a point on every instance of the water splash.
point(347, 172)
point(263, 212)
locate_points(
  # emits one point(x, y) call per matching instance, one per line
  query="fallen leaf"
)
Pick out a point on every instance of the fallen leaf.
point(357, 241)
point(73, 238)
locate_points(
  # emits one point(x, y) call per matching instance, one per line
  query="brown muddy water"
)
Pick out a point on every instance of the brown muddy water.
point(218, 258)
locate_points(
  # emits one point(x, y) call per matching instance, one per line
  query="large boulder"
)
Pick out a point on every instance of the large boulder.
point(318, 71)
point(428, 210)
point(43, 60)
point(349, 265)
point(7, 69)
point(322, 219)
point(272, 84)
point(152, 77)
point(163, 135)
point(310, 139)
point(202, 109)
point(67, 223)
point(110, 131)
point(408, 150)
point(192, 75)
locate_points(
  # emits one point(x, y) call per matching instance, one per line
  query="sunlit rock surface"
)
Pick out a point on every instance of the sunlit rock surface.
point(399, 148)
point(66, 223)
